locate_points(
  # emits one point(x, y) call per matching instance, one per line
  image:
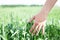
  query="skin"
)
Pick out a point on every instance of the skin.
point(40, 18)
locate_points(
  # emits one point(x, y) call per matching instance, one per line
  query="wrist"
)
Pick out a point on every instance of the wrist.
point(43, 14)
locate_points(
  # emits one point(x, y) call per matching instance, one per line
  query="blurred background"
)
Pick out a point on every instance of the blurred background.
point(15, 13)
point(26, 9)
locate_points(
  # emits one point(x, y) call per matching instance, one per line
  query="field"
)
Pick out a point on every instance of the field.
point(13, 23)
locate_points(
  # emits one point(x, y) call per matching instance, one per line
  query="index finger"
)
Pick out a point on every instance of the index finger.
point(33, 27)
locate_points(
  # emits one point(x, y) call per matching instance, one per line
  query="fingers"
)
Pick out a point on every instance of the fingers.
point(35, 30)
point(39, 28)
point(43, 29)
point(33, 27)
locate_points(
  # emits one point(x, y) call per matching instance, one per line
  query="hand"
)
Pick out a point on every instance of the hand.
point(39, 19)
point(39, 23)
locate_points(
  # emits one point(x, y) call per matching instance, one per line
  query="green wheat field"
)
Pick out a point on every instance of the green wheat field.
point(14, 25)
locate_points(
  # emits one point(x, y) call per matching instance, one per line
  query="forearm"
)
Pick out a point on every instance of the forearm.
point(47, 7)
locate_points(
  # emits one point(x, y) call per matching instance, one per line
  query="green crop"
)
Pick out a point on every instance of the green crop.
point(21, 32)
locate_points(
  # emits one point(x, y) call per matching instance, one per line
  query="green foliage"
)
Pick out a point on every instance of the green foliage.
point(15, 27)
point(21, 32)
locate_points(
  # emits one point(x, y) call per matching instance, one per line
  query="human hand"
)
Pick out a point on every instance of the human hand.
point(39, 23)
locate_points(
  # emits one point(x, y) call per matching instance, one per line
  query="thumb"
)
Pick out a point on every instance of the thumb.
point(31, 19)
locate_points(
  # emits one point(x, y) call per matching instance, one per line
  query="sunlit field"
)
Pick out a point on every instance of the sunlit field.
point(14, 25)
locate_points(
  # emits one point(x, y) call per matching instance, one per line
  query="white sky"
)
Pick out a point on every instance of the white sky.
point(24, 2)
